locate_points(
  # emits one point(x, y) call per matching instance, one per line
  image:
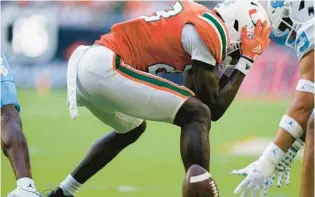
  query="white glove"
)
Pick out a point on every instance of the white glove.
point(258, 174)
point(283, 168)
point(24, 191)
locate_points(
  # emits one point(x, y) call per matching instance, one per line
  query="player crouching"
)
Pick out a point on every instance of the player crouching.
point(116, 78)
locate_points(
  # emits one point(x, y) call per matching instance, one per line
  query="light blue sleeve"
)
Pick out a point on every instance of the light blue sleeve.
point(8, 88)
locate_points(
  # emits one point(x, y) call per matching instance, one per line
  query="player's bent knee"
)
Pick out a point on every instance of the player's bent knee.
point(202, 112)
point(193, 110)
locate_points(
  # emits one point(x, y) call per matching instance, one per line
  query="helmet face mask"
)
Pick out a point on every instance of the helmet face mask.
point(286, 29)
point(232, 56)
point(287, 16)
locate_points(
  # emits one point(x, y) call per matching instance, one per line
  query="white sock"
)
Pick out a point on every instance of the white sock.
point(70, 186)
point(25, 181)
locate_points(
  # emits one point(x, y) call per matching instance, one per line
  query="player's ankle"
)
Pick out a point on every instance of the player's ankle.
point(70, 186)
point(25, 181)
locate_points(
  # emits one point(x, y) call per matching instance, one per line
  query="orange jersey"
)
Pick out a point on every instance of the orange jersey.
point(154, 40)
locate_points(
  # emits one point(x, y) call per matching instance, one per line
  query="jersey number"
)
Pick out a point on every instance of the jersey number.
point(177, 8)
point(164, 68)
point(302, 42)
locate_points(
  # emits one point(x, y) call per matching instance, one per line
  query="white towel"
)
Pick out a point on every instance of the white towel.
point(72, 73)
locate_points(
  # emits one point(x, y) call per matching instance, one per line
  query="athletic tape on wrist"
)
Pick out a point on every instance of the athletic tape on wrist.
point(305, 86)
point(291, 126)
point(244, 64)
point(274, 153)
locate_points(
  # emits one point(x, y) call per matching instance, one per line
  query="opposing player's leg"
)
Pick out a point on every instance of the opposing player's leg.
point(13, 142)
point(307, 183)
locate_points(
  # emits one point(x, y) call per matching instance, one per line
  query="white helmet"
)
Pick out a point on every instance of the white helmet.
point(287, 16)
point(237, 14)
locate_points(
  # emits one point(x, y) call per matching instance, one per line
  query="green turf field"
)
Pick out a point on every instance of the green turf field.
point(149, 168)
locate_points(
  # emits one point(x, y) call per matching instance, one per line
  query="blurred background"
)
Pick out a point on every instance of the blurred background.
point(38, 38)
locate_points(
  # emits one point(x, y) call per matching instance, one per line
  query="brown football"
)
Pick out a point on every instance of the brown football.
point(199, 183)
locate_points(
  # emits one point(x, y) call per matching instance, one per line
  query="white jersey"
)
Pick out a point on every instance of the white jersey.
point(305, 39)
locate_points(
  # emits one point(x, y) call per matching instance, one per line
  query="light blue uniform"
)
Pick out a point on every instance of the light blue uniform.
point(305, 39)
point(8, 88)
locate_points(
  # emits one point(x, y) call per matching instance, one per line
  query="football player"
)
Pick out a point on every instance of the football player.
point(116, 77)
point(293, 22)
point(13, 142)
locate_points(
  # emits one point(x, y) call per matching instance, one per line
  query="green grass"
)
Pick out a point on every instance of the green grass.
point(152, 165)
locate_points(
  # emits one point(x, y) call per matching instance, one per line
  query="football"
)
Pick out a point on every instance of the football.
point(198, 182)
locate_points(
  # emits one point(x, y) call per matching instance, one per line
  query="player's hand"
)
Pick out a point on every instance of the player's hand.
point(284, 167)
point(24, 191)
point(253, 47)
point(258, 176)
point(245, 171)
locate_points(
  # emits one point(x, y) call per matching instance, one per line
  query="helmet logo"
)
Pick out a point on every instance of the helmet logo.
point(257, 49)
point(277, 4)
point(252, 11)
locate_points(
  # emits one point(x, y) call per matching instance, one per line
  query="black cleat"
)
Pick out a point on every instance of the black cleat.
point(57, 193)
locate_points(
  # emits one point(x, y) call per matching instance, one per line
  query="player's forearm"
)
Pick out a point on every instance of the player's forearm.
point(223, 80)
point(229, 88)
point(216, 93)
point(300, 112)
point(226, 76)
point(227, 92)
point(284, 140)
